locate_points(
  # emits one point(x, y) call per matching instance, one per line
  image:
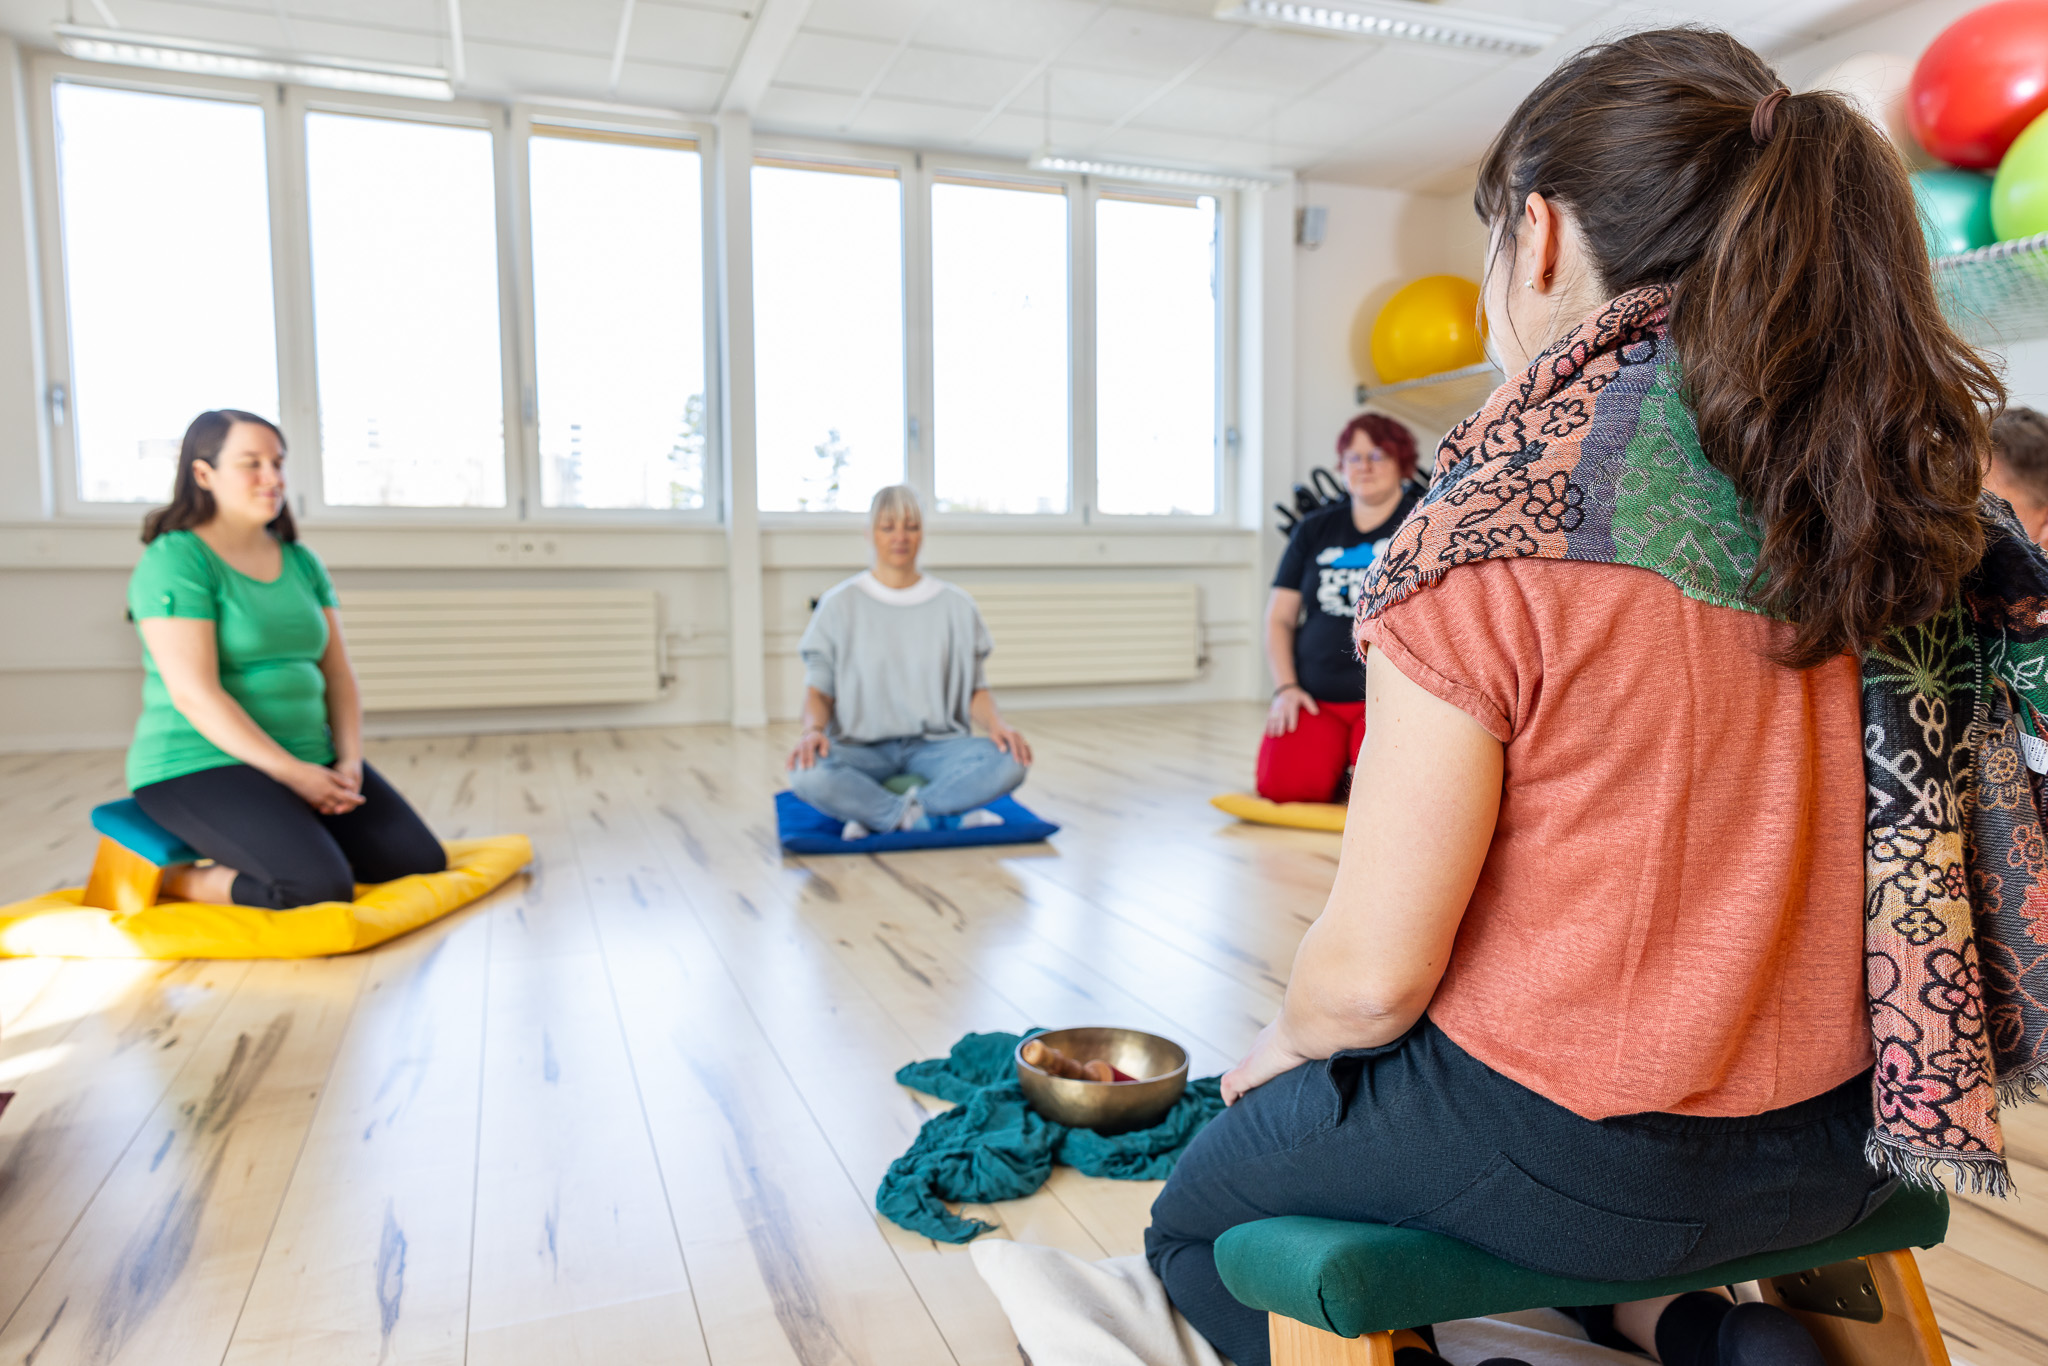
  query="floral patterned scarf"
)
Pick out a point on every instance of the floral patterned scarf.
point(1592, 454)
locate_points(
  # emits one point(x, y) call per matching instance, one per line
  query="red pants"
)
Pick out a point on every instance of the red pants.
point(1308, 763)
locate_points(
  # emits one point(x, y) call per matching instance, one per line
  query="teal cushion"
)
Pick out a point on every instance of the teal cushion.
point(1352, 1279)
point(124, 823)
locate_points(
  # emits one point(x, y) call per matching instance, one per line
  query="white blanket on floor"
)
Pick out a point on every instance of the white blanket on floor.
point(1067, 1312)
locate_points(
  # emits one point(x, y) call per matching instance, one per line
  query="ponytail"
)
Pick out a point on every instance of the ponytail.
point(1826, 384)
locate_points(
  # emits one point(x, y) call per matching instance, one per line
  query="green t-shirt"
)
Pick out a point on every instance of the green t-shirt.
point(270, 637)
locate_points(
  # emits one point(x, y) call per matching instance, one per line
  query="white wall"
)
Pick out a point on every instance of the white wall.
point(1375, 241)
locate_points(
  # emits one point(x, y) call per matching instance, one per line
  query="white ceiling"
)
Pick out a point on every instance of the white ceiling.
point(1156, 79)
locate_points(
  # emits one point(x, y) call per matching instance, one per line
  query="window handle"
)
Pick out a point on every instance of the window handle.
point(915, 430)
point(60, 405)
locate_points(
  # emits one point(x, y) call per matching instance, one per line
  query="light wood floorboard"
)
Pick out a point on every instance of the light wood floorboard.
point(633, 1107)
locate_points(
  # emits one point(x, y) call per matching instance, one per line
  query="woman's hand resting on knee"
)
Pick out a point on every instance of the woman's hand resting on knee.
point(1288, 705)
point(1271, 1055)
point(811, 746)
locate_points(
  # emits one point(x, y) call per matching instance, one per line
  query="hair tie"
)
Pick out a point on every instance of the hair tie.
point(1766, 110)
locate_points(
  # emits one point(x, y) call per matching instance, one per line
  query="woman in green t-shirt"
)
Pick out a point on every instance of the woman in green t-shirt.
point(250, 743)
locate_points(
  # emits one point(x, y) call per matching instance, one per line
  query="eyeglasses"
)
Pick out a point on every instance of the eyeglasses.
point(1375, 458)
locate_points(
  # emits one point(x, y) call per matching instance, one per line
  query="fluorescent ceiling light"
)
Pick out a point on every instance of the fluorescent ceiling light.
point(123, 48)
point(1156, 173)
point(1408, 20)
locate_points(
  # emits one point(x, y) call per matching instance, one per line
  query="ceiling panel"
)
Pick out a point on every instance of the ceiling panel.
point(665, 86)
point(1273, 61)
point(698, 37)
point(786, 107)
point(1401, 78)
point(889, 20)
point(819, 61)
point(1013, 28)
point(370, 44)
point(205, 22)
point(1143, 43)
point(1097, 96)
point(589, 28)
point(1193, 108)
point(1021, 135)
point(953, 77)
point(901, 120)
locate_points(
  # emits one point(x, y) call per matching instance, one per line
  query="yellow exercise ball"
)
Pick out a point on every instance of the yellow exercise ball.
point(1429, 326)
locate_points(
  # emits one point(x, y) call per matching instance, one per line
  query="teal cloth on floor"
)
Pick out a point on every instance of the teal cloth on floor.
point(994, 1146)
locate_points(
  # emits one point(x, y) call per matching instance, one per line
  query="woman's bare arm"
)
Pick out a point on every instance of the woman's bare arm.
point(344, 701)
point(188, 659)
point(1290, 699)
point(1423, 806)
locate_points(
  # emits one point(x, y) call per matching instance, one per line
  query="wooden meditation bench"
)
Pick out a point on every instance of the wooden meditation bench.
point(1334, 1292)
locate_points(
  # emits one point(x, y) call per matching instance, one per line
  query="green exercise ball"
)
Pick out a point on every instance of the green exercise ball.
point(2019, 194)
point(1955, 210)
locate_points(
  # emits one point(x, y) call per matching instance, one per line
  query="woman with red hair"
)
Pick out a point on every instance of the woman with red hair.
point(1317, 720)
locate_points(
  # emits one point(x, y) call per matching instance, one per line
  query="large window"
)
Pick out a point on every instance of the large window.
point(1156, 354)
point(999, 347)
point(405, 312)
point(829, 415)
point(618, 308)
point(507, 313)
point(166, 240)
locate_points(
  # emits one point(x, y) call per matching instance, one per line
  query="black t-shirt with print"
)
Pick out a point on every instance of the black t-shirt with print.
point(1324, 660)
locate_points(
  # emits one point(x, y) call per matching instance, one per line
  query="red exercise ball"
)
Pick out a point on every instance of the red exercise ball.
point(1980, 83)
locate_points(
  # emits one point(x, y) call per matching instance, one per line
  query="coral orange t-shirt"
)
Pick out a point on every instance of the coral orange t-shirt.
point(1670, 917)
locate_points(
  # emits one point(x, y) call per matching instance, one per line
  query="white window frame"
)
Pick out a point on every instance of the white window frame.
point(917, 172)
point(511, 127)
point(48, 70)
point(916, 304)
point(524, 117)
point(285, 108)
point(1228, 206)
point(302, 406)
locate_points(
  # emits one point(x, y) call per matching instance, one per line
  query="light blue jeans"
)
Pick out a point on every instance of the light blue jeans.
point(960, 772)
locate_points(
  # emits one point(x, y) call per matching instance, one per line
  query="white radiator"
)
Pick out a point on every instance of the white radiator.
point(425, 650)
point(1056, 634)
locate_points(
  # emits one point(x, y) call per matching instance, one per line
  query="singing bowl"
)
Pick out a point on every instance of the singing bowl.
point(1107, 1107)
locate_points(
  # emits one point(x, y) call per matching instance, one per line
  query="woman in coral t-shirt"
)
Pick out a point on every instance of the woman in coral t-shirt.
point(1589, 989)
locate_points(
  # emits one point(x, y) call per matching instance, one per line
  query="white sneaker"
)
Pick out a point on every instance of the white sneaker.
point(979, 817)
point(854, 830)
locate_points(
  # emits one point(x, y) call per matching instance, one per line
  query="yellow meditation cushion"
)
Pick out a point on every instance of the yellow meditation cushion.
point(58, 924)
point(1298, 815)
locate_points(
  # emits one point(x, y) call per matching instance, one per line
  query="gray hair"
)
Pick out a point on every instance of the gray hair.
point(897, 498)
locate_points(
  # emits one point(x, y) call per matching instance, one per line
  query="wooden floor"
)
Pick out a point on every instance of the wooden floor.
point(633, 1108)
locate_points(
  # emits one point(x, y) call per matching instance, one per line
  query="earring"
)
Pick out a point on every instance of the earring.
point(1529, 283)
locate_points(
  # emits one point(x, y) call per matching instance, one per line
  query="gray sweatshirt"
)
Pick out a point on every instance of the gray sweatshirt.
point(896, 662)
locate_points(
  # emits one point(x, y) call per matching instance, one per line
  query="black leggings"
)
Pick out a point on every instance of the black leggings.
point(288, 854)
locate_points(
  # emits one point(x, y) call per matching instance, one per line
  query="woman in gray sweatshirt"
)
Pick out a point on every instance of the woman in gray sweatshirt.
point(894, 685)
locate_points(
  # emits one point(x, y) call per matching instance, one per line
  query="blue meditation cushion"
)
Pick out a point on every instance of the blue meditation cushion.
point(124, 824)
point(804, 829)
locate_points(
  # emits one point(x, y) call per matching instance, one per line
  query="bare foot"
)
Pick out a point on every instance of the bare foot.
point(212, 884)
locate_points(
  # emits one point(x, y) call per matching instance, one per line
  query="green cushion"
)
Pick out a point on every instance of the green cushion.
point(903, 782)
point(1352, 1279)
